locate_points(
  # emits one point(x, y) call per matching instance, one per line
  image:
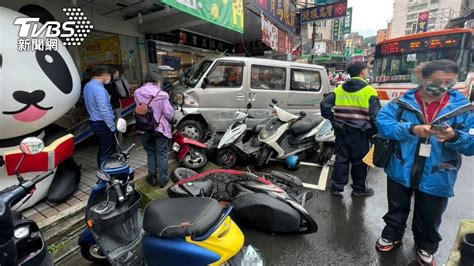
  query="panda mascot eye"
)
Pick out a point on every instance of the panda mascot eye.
point(56, 69)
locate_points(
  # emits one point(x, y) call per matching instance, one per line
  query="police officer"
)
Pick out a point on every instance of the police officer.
point(352, 109)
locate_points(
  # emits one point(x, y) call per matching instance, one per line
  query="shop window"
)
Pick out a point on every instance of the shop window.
point(268, 78)
point(226, 75)
point(305, 80)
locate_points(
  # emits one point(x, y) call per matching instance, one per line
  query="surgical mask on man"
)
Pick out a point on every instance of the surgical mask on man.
point(107, 81)
point(435, 91)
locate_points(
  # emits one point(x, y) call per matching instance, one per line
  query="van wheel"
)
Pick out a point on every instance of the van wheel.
point(192, 129)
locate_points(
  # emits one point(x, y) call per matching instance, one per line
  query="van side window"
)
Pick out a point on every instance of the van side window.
point(227, 75)
point(268, 78)
point(305, 80)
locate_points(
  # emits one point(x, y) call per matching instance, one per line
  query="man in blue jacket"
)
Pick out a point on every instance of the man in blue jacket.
point(102, 117)
point(434, 128)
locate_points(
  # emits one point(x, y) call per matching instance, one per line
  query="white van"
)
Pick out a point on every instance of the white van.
point(219, 87)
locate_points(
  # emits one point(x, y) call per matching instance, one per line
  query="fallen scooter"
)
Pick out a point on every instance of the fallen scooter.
point(175, 231)
point(21, 242)
point(237, 141)
point(191, 153)
point(274, 203)
point(287, 134)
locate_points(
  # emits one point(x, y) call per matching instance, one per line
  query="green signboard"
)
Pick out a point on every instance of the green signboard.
point(336, 30)
point(347, 22)
point(358, 52)
point(348, 54)
point(225, 13)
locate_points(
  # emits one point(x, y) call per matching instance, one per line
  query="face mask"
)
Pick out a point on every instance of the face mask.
point(414, 78)
point(435, 91)
point(107, 81)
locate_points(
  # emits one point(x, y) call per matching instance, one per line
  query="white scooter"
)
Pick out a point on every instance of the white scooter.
point(237, 141)
point(288, 134)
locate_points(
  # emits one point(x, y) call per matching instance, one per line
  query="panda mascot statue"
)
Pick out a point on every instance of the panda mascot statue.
point(37, 88)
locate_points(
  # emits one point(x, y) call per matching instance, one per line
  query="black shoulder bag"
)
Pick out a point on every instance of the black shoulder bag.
point(383, 147)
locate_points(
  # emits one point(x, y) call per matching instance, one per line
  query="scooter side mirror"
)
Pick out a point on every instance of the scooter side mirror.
point(249, 106)
point(121, 125)
point(31, 145)
point(274, 101)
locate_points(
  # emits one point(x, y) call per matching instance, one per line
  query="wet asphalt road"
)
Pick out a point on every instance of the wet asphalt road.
point(349, 227)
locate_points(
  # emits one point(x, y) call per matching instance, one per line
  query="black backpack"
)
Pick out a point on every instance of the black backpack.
point(145, 121)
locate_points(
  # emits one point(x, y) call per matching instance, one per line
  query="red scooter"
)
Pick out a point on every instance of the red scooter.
point(191, 153)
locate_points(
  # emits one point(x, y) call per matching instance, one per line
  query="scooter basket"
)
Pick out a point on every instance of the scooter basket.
point(266, 213)
point(118, 232)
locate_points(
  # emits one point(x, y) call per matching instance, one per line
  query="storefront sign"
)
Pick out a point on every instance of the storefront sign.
point(275, 38)
point(320, 48)
point(322, 12)
point(347, 22)
point(336, 30)
point(102, 51)
point(357, 58)
point(228, 13)
point(283, 12)
point(422, 24)
point(192, 39)
point(252, 48)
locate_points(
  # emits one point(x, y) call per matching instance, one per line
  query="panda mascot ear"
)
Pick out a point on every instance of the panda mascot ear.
point(36, 11)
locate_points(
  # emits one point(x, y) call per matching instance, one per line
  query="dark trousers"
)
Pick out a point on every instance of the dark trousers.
point(351, 147)
point(426, 216)
point(156, 147)
point(107, 141)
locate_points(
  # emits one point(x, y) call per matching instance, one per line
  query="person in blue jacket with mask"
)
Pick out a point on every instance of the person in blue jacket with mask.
point(435, 127)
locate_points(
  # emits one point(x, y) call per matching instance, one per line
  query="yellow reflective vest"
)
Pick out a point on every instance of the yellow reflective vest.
point(353, 105)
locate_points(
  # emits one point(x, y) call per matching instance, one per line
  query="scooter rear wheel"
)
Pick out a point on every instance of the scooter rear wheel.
point(93, 253)
point(226, 158)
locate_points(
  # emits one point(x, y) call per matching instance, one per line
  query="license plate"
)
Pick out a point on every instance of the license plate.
point(176, 147)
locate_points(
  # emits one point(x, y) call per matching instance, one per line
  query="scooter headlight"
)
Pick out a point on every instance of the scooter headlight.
point(265, 135)
point(178, 99)
point(21, 232)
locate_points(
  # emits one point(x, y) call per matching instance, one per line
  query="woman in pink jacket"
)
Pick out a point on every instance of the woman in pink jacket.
point(156, 143)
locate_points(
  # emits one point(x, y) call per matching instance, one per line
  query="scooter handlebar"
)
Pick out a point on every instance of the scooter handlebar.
point(41, 177)
point(129, 149)
point(118, 191)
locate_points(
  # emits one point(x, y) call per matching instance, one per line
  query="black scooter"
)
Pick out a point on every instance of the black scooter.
point(21, 242)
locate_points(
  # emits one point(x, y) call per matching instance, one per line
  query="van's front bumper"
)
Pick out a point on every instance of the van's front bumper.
point(180, 114)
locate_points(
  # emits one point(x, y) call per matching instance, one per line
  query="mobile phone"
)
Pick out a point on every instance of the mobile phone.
point(439, 127)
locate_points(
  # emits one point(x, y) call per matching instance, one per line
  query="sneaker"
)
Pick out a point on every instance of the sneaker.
point(425, 258)
point(364, 193)
point(152, 180)
point(335, 192)
point(385, 245)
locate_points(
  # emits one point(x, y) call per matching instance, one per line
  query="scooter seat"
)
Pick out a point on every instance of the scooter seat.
point(304, 126)
point(180, 217)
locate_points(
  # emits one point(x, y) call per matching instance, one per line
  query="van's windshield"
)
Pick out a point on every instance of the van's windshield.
point(200, 69)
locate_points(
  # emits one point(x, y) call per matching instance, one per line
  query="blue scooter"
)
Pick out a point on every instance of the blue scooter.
point(181, 231)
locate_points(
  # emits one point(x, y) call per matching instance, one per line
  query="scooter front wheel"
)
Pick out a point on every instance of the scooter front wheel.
point(93, 253)
point(195, 159)
point(262, 157)
point(226, 158)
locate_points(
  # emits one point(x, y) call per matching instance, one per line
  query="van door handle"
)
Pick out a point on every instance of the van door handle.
point(252, 96)
point(240, 96)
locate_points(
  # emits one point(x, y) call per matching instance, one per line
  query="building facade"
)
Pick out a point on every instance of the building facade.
point(405, 14)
